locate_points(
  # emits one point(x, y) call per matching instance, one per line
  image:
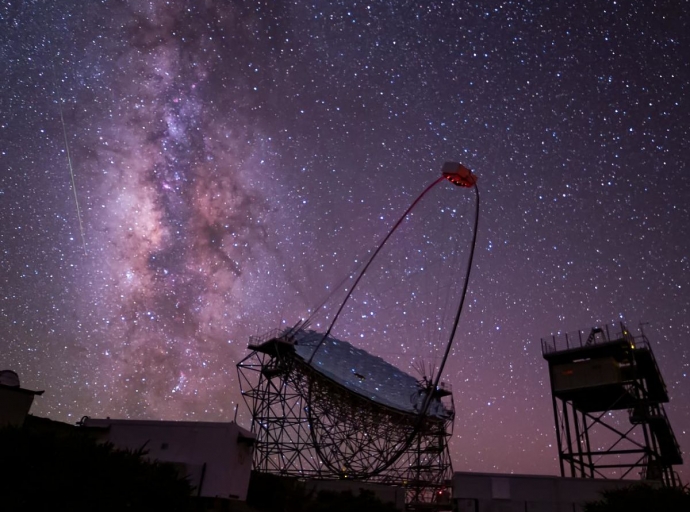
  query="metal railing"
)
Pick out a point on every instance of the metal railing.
point(597, 335)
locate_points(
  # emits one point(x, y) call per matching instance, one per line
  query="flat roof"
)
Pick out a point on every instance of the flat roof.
point(107, 422)
point(21, 390)
point(535, 476)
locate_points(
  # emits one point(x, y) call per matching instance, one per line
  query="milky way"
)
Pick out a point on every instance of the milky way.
point(234, 161)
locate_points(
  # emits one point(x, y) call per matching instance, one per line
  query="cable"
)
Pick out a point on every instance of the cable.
point(373, 256)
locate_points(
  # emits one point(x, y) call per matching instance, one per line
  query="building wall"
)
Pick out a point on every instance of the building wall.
point(486, 492)
point(216, 457)
point(15, 403)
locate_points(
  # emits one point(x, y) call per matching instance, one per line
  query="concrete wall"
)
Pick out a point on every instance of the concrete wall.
point(216, 457)
point(486, 492)
point(15, 403)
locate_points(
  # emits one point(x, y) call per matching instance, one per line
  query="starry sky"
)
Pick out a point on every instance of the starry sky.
point(234, 161)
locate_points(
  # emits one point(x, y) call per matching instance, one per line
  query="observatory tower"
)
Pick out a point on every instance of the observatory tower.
point(608, 396)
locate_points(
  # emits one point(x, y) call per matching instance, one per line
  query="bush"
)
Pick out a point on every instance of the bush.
point(642, 498)
point(272, 493)
point(346, 501)
point(51, 470)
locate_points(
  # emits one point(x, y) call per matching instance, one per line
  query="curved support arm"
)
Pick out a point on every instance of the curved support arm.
point(373, 257)
point(462, 302)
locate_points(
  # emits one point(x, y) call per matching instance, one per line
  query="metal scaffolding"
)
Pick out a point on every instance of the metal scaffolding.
point(608, 396)
point(312, 426)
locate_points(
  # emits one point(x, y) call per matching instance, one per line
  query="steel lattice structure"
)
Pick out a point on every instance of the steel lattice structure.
point(312, 420)
point(311, 426)
point(608, 396)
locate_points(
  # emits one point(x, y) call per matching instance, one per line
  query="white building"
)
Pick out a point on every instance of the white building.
point(489, 492)
point(215, 457)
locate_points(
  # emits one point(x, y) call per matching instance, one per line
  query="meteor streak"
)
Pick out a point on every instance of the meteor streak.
point(71, 173)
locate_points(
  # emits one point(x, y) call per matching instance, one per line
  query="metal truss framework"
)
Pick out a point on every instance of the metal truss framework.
point(636, 447)
point(616, 427)
point(310, 426)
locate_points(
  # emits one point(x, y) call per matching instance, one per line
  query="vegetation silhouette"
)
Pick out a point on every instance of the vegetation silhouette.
point(62, 468)
point(642, 498)
point(272, 493)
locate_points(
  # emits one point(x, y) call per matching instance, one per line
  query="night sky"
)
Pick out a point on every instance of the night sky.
point(233, 161)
